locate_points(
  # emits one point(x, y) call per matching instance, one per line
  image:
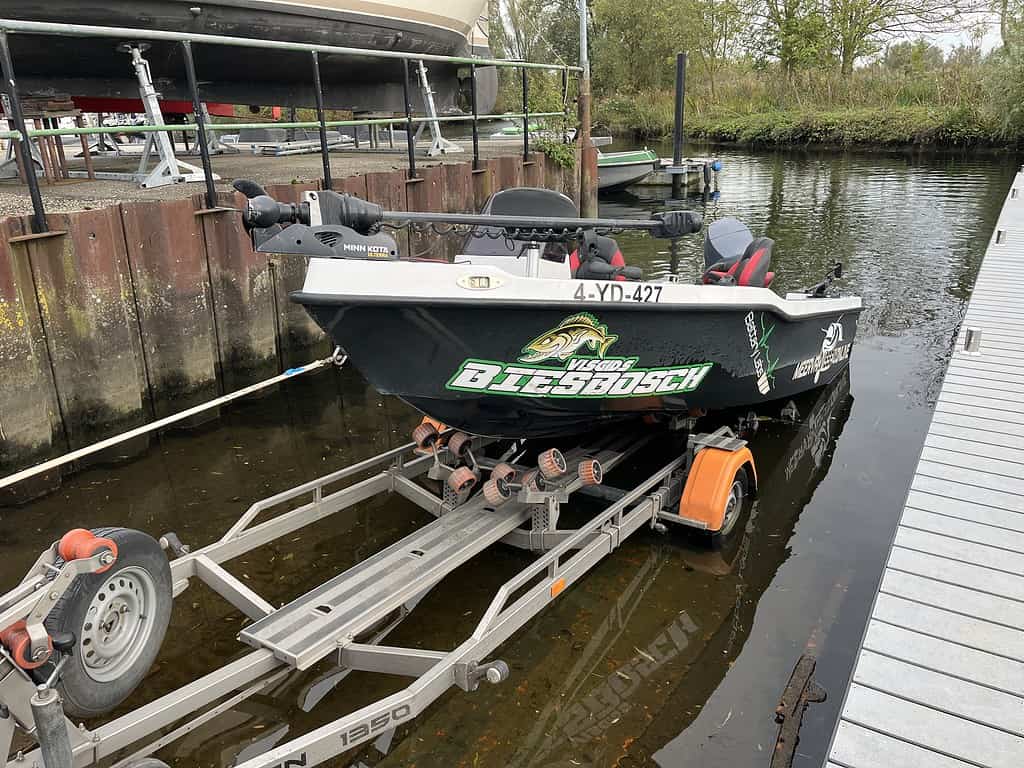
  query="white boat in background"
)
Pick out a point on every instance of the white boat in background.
point(618, 170)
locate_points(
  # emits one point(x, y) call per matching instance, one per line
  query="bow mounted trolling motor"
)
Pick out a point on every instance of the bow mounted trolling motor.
point(333, 225)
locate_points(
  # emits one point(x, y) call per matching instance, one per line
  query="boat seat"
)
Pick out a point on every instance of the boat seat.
point(598, 252)
point(751, 269)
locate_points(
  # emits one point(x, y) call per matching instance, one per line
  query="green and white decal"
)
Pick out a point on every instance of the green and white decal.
point(581, 376)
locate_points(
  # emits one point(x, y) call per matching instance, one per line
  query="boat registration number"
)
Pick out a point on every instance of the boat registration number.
point(607, 291)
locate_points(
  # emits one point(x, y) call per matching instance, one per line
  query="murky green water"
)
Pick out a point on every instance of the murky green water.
point(668, 653)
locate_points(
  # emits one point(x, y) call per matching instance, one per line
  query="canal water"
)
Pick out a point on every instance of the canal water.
point(670, 652)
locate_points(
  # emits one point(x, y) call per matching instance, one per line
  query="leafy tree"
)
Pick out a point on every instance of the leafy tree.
point(794, 31)
point(911, 57)
point(721, 27)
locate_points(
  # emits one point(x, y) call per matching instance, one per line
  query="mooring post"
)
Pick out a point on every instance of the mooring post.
point(677, 132)
point(23, 147)
point(319, 92)
point(526, 116)
point(476, 117)
point(410, 140)
point(588, 184)
point(197, 111)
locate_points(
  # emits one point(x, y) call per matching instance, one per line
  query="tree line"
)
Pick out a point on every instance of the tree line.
point(758, 57)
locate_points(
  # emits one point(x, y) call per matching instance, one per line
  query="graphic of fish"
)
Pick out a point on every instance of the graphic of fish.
point(833, 336)
point(565, 340)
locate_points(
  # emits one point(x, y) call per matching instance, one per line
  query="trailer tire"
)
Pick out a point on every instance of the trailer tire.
point(147, 762)
point(118, 619)
point(738, 493)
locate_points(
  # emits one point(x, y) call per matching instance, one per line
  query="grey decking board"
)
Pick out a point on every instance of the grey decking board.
point(953, 659)
point(932, 729)
point(966, 529)
point(965, 492)
point(948, 625)
point(954, 508)
point(967, 602)
point(858, 747)
point(978, 478)
point(983, 705)
point(957, 572)
point(958, 549)
point(960, 420)
point(983, 390)
point(989, 404)
point(966, 446)
point(960, 457)
point(1001, 438)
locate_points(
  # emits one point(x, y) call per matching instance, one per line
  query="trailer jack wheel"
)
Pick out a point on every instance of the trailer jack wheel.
point(118, 619)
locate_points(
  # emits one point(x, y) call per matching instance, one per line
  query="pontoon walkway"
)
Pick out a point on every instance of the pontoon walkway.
point(939, 680)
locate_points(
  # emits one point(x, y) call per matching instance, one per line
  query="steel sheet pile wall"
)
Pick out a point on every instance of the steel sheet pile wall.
point(140, 310)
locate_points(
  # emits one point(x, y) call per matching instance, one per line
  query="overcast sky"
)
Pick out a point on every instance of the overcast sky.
point(990, 24)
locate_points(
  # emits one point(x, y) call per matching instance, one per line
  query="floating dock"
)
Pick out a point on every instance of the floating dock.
point(939, 678)
point(691, 169)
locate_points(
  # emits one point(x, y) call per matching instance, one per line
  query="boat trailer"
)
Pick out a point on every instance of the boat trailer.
point(84, 626)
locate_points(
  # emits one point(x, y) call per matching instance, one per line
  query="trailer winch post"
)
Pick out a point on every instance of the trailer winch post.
point(23, 147)
point(51, 728)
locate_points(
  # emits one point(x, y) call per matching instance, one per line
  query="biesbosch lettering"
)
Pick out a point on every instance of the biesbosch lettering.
point(581, 376)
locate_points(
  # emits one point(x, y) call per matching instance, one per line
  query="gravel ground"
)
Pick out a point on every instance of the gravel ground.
point(82, 194)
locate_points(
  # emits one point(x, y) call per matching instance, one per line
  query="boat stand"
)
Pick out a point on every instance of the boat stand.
point(439, 145)
point(168, 169)
point(346, 618)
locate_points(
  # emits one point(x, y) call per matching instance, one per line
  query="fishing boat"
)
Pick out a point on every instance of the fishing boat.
point(618, 170)
point(541, 328)
point(94, 67)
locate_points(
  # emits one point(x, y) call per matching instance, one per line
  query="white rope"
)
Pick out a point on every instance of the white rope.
point(338, 358)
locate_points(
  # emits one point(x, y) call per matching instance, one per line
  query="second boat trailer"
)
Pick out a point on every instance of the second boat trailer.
point(84, 626)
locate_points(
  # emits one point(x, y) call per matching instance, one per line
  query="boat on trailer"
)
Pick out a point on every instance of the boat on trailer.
point(526, 335)
point(81, 630)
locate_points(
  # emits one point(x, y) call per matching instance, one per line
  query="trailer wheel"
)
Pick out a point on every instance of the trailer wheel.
point(503, 471)
point(734, 502)
point(497, 492)
point(425, 435)
point(591, 472)
point(462, 479)
point(458, 444)
point(552, 464)
point(147, 762)
point(118, 619)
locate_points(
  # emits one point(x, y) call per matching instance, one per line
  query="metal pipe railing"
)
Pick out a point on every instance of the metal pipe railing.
point(23, 135)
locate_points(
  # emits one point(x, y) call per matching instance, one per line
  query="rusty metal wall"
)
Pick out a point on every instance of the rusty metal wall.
point(140, 310)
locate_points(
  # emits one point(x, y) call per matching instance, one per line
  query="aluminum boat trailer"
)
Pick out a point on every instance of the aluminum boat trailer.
point(84, 626)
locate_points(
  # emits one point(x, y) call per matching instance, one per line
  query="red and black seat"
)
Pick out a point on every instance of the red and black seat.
point(596, 253)
point(751, 269)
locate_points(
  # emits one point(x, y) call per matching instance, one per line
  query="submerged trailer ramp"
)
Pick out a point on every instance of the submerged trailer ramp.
point(939, 680)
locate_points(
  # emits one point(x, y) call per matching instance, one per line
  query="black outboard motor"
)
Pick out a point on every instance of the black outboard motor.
point(733, 256)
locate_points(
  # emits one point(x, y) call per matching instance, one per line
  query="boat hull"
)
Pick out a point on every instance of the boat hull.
point(618, 170)
point(93, 67)
point(528, 371)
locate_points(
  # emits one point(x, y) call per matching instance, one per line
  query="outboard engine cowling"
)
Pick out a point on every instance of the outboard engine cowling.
point(725, 242)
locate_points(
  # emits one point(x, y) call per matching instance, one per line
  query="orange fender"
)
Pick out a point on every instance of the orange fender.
point(708, 485)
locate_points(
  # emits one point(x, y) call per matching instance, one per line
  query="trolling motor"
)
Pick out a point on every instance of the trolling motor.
point(337, 225)
point(820, 290)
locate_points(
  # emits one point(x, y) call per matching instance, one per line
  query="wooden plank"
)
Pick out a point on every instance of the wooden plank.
point(858, 747)
point(966, 530)
point(986, 390)
point(984, 412)
point(932, 729)
point(943, 656)
point(947, 625)
point(990, 403)
point(972, 493)
point(964, 445)
point(952, 571)
point(941, 692)
point(979, 513)
point(982, 375)
point(997, 610)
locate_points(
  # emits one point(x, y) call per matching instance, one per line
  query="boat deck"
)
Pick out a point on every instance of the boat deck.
point(939, 679)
